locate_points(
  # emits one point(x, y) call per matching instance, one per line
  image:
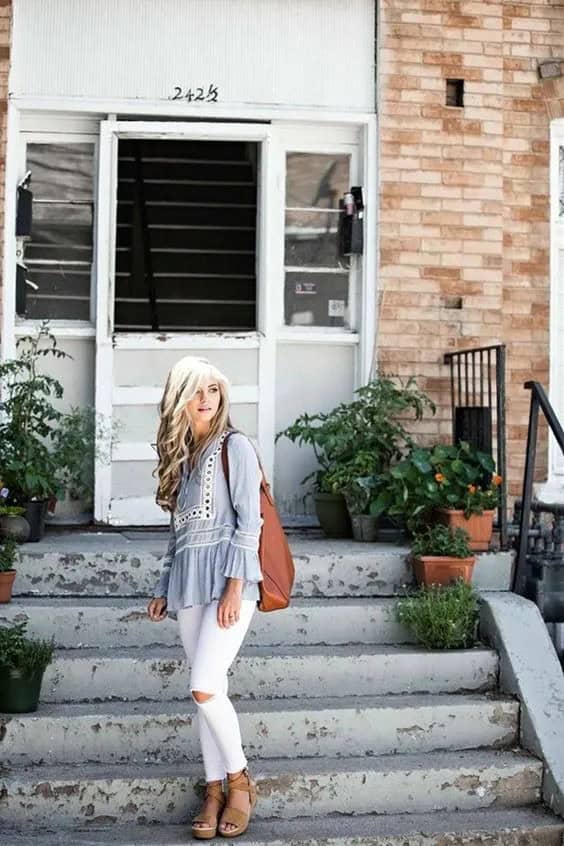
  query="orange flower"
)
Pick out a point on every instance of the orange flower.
point(497, 480)
point(472, 489)
point(439, 477)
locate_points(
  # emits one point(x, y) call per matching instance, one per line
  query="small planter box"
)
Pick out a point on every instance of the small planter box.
point(478, 526)
point(6, 584)
point(441, 570)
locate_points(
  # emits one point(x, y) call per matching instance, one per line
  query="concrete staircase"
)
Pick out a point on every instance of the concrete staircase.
point(355, 735)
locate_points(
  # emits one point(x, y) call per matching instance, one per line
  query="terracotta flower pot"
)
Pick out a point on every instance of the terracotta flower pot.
point(441, 570)
point(478, 526)
point(6, 583)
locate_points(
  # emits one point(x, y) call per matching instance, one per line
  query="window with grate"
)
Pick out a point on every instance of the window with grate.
point(317, 279)
point(59, 254)
point(186, 236)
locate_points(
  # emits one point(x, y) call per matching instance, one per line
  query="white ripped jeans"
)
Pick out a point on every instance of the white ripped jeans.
point(211, 650)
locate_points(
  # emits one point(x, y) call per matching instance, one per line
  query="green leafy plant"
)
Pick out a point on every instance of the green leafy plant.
point(439, 540)
point(441, 616)
point(29, 419)
point(454, 477)
point(82, 436)
point(360, 438)
point(25, 655)
point(8, 554)
point(45, 452)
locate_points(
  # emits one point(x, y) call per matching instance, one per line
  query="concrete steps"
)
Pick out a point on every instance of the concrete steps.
point(128, 564)
point(161, 673)
point(288, 788)
point(97, 622)
point(531, 826)
point(355, 735)
point(156, 732)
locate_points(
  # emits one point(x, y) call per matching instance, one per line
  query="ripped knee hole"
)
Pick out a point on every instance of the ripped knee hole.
point(200, 696)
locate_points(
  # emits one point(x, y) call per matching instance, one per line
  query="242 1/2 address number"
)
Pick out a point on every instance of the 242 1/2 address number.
point(196, 95)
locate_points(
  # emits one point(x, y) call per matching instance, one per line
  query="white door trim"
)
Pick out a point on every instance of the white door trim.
point(116, 512)
point(553, 490)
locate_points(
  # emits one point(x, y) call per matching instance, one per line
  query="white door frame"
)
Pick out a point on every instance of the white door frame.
point(264, 338)
point(553, 490)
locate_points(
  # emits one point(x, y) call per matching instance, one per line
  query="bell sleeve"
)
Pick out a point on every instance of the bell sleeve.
point(242, 561)
point(161, 588)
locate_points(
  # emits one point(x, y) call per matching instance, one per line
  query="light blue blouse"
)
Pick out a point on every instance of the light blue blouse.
point(214, 531)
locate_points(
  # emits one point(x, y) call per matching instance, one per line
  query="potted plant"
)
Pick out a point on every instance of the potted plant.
point(29, 419)
point(23, 662)
point(12, 522)
point(357, 482)
point(468, 491)
point(356, 440)
point(8, 555)
point(455, 485)
point(441, 616)
point(441, 555)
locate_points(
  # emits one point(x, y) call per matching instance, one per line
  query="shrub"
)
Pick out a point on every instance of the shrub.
point(24, 655)
point(8, 554)
point(441, 616)
point(441, 540)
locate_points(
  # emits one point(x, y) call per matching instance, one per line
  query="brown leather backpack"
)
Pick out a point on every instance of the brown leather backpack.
point(276, 564)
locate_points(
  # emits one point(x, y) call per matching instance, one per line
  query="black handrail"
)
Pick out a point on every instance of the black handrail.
point(473, 374)
point(539, 400)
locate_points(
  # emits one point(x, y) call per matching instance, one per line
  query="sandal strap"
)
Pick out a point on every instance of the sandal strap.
point(234, 816)
point(216, 794)
point(215, 791)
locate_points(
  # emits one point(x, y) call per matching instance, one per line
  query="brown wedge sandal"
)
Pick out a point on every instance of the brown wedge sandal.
point(214, 796)
point(242, 781)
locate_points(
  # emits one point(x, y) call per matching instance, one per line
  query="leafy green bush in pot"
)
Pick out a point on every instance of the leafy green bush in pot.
point(26, 656)
point(439, 477)
point(8, 554)
point(441, 616)
point(439, 540)
point(362, 437)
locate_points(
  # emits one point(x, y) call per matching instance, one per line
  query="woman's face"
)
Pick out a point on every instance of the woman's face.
point(203, 407)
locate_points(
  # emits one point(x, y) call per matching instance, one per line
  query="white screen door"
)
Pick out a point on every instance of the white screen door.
point(185, 245)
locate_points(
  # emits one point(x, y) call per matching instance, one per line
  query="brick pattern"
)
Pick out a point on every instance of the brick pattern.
point(5, 41)
point(464, 221)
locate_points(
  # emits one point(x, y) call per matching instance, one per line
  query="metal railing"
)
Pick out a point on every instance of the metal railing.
point(477, 385)
point(539, 401)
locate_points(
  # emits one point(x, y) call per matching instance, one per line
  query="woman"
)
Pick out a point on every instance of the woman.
point(211, 570)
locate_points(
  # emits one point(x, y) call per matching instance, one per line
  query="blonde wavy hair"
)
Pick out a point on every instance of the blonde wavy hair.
point(175, 437)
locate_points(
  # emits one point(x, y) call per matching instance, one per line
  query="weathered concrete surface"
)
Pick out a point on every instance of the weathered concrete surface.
point(104, 623)
point(530, 669)
point(490, 827)
point(121, 732)
point(110, 564)
point(258, 672)
point(485, 827)
point(290, 788)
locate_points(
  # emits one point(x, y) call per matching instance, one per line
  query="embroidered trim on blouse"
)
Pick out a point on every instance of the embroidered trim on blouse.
point(205, 510)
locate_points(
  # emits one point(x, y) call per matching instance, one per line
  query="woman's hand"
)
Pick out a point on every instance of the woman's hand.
point(229, 606)
point(157, 609)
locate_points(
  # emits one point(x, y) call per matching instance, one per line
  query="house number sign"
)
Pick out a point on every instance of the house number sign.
point(196, 95)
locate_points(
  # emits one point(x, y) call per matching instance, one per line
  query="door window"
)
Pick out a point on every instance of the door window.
point(317, 278)
point(59, 255)
point(186, 236)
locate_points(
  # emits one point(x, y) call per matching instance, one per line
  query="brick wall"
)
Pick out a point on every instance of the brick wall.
point(5, 35)
point(464, 221)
